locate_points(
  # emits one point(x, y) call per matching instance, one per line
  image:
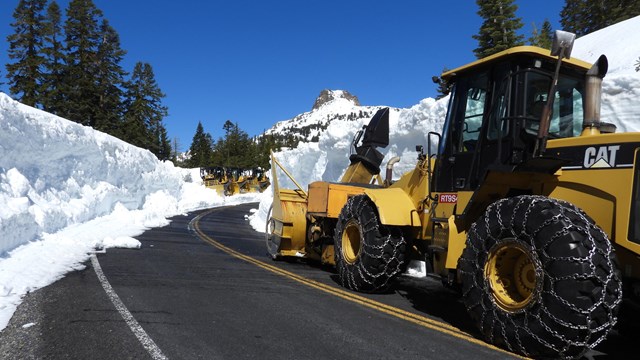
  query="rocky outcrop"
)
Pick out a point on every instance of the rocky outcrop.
point(330, 95)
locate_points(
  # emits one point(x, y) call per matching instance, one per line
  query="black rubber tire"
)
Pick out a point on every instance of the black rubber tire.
point(574, 305)
point(383, 251)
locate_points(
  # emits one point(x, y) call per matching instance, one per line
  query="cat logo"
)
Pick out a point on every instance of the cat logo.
point(601, 157)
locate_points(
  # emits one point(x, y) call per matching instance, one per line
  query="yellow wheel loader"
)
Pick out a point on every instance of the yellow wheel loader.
point(258, 180)
point(215, 178)
point(529, 205)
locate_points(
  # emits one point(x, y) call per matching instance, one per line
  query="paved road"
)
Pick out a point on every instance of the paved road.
point(202, 288)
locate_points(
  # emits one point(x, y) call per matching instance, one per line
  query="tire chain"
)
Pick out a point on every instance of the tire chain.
point(598, 245)
point(357, 276)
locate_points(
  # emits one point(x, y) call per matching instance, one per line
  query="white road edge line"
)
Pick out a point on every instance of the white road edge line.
point(138, 331)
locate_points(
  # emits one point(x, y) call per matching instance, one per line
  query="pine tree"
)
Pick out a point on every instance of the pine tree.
point(109, 81)
point(623, 10)
point(544, 37)
point(585, 16)
point(79, 88)
point(53, 47)
point(175, 148)
point(236, 149)
point(572, 16)
point(25, 45)
point(144, 112)
point(165, 151)
point(200, 150)
point(498, 30)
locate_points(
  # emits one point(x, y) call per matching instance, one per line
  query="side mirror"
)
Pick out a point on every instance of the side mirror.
point(562, 44)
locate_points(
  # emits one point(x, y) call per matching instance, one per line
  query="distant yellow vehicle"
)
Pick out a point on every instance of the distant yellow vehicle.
point(258, 180)
point(529, 205)
point(215, 178)
point(231, 181)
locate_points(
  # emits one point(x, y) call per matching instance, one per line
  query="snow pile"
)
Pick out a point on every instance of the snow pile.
point(621, 86)
point(67, 189)
point(616, 42)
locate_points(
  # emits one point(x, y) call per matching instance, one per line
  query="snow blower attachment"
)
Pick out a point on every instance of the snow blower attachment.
point(287, 233)
point(365, 163)
point(532, 213)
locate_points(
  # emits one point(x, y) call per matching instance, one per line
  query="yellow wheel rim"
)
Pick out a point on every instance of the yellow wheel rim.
point(351, 241)
point(511, 273)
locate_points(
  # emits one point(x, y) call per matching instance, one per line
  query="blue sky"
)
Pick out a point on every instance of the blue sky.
point(259, 62)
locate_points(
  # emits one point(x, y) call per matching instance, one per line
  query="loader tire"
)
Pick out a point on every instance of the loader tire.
point(539, 278)
point(368, 255)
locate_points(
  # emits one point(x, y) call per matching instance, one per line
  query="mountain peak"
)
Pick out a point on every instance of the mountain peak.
point(327, 96)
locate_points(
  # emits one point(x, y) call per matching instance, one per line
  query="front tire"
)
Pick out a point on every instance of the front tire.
point(539, 278)
point(368, 255)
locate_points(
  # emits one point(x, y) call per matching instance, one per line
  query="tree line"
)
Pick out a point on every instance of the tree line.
point(71, 66)
point(236, 149)
point(500, 26)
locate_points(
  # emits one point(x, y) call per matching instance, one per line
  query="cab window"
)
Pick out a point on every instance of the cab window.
point(567, 113)
point(474, 104)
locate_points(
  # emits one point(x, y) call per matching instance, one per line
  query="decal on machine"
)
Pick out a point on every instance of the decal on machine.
point(600, 157)
point(448, 198)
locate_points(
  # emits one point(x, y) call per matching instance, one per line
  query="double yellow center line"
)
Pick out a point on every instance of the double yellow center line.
point(349, 296)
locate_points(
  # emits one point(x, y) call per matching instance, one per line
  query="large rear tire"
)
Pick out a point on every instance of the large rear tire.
point(539, 278)
point(368, 254)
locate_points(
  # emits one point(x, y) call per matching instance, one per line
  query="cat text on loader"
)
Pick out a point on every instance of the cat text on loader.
point(529, 206)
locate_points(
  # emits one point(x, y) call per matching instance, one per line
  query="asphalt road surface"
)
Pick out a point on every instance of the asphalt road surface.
point(203, 288)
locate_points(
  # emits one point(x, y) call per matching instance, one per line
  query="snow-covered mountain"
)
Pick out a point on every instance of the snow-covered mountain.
point(329, 106)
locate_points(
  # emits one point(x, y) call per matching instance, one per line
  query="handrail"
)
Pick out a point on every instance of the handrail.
point(275, 161)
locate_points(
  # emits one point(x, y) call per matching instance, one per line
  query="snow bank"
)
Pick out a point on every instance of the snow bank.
point(621, 86)
point(67, 190)
point(617, 42)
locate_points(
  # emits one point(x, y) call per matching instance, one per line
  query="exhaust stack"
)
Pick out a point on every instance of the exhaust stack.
point(389, 174)
point(593, 95)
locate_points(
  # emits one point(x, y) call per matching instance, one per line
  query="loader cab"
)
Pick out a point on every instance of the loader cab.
point(494, 114)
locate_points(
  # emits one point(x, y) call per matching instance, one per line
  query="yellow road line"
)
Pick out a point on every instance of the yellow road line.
point(387, 309)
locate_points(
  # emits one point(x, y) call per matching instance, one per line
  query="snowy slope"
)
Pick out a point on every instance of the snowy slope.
point(66, 189)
